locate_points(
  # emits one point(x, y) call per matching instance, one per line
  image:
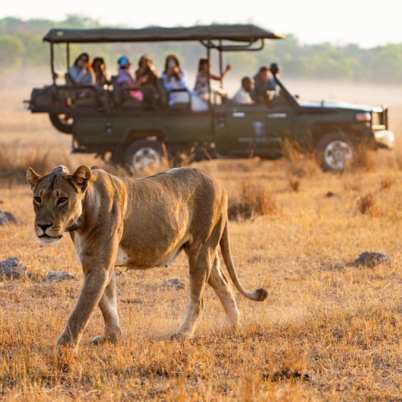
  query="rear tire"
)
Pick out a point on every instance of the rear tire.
point(335, 152)
point(62, 122)
point(144, 154)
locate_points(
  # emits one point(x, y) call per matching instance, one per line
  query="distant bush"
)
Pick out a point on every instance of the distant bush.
point(253, 200)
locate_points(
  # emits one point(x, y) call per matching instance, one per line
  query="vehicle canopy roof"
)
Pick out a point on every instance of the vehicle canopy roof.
point(229, 32)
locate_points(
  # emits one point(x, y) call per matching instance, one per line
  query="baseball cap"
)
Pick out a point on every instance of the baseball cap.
point(123, 61)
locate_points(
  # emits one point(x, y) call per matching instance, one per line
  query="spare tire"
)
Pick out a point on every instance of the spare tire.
point(62, 122)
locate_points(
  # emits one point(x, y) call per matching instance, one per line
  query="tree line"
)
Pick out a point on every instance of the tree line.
point(21, 47)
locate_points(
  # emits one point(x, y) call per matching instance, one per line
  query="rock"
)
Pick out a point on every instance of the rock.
point(370, 259)
point(12, 268)
point(331, 194)
point(7, 217)
point(173, 283)
point(58, 276)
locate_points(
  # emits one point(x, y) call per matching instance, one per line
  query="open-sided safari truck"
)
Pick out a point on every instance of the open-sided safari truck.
point(137, 134)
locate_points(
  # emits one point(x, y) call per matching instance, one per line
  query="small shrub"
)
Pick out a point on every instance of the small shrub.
point(368, 205)
point(294, 184)
point(252, 201)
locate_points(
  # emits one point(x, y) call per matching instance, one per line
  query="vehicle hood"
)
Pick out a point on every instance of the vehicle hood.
point(340, 106)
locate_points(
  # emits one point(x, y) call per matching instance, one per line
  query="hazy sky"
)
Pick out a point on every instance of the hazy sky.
point(367, 22)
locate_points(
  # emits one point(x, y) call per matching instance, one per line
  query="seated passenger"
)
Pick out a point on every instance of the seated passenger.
point(173, 79)
point(265, 85)
point(243, 95)
point(147, 78)
point(125, 79)
point(99, 70)
point(146, 74)
point(80, 72)
point(204, 75)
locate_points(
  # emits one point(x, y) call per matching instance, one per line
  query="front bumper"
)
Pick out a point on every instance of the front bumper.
point(384, 138)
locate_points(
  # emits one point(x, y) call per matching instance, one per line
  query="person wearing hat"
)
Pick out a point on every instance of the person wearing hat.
point(124, 77)
point(126, 80)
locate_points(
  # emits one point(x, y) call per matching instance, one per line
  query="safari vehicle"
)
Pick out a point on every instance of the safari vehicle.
point(107, 123)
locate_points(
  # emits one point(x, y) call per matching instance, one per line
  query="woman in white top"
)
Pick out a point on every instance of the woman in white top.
point(173, 79)
point(203, 78)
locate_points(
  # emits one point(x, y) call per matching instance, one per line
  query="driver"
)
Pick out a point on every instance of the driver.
point(265, 85)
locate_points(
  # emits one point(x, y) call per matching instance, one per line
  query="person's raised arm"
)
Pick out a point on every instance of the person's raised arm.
point(220, 77)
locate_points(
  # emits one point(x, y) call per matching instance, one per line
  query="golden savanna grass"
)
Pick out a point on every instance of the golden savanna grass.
point(328, 330)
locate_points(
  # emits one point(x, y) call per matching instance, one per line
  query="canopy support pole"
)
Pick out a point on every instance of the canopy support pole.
point(52, 64)
point(68, 55)
point(220, 64)
point(209, 79)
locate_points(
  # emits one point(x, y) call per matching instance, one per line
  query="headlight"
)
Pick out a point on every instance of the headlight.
point(363, 117)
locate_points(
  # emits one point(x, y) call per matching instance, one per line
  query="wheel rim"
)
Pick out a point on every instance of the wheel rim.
point(337, 154)
point(65, 119)
point(146, 158)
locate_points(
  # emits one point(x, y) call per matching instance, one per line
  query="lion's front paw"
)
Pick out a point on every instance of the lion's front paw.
point(65, 339)
point(180, 336)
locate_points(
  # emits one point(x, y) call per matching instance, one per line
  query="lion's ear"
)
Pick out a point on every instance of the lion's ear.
point(32, 177)
point(82, 176)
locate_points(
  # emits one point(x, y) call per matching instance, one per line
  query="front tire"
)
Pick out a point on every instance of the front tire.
point(142, 155)
point(335, 152)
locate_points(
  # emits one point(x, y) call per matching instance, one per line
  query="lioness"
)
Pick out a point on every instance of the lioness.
point(139, 223)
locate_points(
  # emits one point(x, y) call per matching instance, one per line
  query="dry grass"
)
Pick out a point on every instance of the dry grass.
point(299, 163)
point(251, 201)
point(15, 158)
point(327, 331)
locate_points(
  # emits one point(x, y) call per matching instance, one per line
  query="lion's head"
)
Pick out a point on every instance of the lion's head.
point(57, 200)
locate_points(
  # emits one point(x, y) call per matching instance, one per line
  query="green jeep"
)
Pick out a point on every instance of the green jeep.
point(107, 123)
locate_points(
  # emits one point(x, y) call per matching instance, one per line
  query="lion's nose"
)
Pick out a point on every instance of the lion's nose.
point(44, 226)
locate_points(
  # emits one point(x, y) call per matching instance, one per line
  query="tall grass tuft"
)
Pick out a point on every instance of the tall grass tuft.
point(253, 200)
point(15, 159)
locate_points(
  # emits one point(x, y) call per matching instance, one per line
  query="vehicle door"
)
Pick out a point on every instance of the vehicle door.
point(257, 129)
point(241, 130)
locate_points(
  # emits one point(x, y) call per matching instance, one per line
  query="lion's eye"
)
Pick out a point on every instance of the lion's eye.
point(37, 200)
point(62, 201)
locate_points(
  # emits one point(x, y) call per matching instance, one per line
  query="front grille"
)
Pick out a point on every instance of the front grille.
point(378, 119)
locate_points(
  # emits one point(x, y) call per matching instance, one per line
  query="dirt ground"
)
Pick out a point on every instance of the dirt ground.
point(328, 330)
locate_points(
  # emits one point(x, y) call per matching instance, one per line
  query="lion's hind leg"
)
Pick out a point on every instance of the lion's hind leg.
point(219, 283)
point(200, 268)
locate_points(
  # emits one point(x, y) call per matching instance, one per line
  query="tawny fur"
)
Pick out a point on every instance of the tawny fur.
point(141, 224)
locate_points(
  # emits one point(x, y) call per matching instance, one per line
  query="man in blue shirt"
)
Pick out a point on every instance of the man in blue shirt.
point(264, 84)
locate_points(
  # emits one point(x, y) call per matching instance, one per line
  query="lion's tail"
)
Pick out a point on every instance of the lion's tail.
point(258, 294)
